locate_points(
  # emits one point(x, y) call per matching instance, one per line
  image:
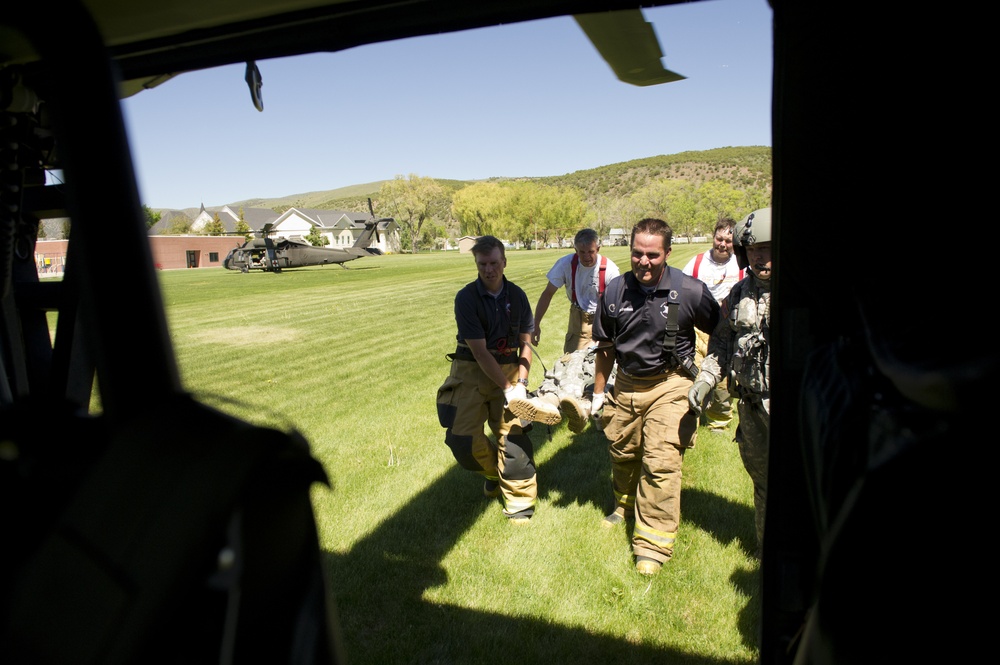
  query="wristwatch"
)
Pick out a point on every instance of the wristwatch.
point(523, 382)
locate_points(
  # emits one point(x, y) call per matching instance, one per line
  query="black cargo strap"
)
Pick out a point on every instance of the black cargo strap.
point(685, 365)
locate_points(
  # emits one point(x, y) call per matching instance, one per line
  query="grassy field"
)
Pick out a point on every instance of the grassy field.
point(423, 567)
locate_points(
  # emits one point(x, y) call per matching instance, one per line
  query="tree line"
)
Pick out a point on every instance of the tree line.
point(533, 214)
point(689, 190)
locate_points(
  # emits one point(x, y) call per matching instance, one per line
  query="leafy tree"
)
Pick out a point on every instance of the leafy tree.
point(565, 211)
point(215, 227)
point(317, 239)
point(243, 227)
point(433, 235)
point(536, 211)
point(180, 224)
point(413, 201)
point(658, 197)
point(152, 217)
point(717, 199)
point(615, 212)
point(756, 196)
point(478, 208)
point(65, 228)
point(41, 230)
point(684, 218)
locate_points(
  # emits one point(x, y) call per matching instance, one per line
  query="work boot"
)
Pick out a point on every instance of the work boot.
point(536, 409)
point(615, 518)
point(576, 412)
point(646, 566)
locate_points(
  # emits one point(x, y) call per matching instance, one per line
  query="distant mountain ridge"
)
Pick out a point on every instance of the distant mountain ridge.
point(738, 165)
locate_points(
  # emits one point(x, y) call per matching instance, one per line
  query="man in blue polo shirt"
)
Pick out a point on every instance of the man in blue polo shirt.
point(646, 323)
point(489, 368)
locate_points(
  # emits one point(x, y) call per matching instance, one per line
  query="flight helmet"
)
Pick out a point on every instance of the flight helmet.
point(755, 228)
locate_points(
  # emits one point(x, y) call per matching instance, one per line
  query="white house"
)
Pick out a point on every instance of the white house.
point(341, 227)
point(616, 237)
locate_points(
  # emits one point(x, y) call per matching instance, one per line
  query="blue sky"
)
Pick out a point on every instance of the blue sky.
point(526, 99)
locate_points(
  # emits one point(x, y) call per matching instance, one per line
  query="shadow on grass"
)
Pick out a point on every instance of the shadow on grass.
point(725, 520)
point(579, 473)
point(379, 585)
point(747, 580)
point(728, 522)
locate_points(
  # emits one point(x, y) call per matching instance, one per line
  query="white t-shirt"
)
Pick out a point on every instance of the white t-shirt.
point(561, 274)
point(720, 277)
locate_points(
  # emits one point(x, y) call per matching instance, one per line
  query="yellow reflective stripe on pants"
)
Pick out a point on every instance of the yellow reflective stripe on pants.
point(658, 539)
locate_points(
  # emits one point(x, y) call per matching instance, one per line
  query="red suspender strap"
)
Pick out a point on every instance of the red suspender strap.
point(600, 283)
point(697, 262)
point(572, 288)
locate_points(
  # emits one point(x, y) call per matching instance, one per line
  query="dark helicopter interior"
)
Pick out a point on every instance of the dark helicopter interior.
point(863, 405)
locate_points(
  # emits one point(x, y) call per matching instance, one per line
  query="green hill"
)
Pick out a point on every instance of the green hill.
point(740, 166)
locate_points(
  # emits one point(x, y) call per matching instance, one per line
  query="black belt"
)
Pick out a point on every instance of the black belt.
point(685, 367)
point(463, 352)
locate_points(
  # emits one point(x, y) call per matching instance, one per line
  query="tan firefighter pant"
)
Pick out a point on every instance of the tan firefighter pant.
point(579, 331)
point(465, 401)
point(648, 429)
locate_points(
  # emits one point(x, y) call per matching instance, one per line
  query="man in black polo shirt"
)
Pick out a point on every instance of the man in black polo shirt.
point(489, 368)
point(646, 322)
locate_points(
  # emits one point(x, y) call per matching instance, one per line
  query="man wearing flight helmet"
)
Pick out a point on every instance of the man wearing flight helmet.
point(740, 349)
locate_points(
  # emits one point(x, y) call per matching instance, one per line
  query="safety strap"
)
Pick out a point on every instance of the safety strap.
point(697, 262)
point(685, 365)
point(600, 280)
point(673, 313)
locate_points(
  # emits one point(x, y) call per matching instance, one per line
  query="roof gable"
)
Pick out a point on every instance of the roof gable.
point(325, 219)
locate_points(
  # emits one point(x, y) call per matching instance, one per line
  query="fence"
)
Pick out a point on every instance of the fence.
point(50, 264)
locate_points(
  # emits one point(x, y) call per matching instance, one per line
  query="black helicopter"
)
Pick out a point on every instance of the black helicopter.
point(263, 253)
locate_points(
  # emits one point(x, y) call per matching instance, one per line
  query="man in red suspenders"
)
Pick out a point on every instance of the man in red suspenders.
point(584, 274)
point(718, 269)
